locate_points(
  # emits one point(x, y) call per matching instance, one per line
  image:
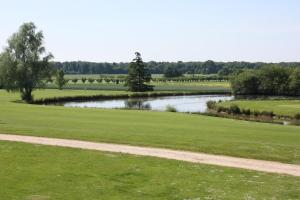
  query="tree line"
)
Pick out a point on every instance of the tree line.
point(268, 80)
point(171, 69)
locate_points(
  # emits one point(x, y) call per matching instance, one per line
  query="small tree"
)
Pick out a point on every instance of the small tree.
point(22, 67)
point(138, 76)
point(83, 79)
point(74, 80)
point(91, 80)
point(60, 80)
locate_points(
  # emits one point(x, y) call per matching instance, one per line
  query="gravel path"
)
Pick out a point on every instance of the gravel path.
point(227, 161)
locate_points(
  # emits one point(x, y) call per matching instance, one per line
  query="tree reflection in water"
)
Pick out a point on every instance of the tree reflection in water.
point(137, 104)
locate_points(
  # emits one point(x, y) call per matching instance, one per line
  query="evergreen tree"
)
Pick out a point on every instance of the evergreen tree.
point(138, 76)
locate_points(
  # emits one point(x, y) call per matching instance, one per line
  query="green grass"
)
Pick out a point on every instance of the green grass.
point(36, 172)
point(146, 128)
point(206, 86)
point(192, 86)
point(279, 107)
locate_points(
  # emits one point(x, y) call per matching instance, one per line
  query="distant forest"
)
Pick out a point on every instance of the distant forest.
point(208, 67)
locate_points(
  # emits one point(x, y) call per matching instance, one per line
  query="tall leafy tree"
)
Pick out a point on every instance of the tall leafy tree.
point(294, 83)
point(23, 64)
point(138, 75)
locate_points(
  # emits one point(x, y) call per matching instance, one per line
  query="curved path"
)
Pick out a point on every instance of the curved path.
point(227, 161)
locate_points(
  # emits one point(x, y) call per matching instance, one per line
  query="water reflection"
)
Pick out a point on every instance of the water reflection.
point(193, 103)
point(140, 104)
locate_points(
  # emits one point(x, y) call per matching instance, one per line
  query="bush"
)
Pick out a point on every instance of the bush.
point(297, 116)
point(91, 80)
point(171, 109)
point(74, 80)
point(234, 109)
point(83, 79)
point(256, 113)
point(222, 109)
point(246, 111)
point(211, 105)
point(99, 80)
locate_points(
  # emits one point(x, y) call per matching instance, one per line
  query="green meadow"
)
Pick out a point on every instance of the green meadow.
point(208, 86)
point(148, 128)
point(36, 172)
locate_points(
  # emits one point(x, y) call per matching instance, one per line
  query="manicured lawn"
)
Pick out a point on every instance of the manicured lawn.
point(36, 172)
point(146, 128)
point(279, 107)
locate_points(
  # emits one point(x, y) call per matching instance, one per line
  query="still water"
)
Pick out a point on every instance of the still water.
point(193, 103)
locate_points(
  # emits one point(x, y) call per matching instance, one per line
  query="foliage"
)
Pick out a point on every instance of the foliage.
point(21, 66)
point(83, 79)
point(279, 107)
point(59, 79)
point(245, 83)
point(91, 80)
point(234, 109)
point(75, 80)
point(211, 104)
point(170, 108)
point(294, 81)
point(297, 116)
point(171, 72)
point(208, 67)
point(269, 80)
point(138, 76)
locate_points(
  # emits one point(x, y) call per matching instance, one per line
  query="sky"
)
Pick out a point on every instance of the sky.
point(161, 30)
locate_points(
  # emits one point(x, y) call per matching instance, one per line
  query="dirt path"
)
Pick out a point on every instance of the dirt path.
point(227, 161)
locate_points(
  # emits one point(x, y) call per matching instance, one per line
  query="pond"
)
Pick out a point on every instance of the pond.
point(192, 103)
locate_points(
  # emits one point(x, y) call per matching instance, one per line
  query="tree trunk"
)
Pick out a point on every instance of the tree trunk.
point(26, 95)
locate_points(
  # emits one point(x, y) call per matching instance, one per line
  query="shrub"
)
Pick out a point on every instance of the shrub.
point(222, 109)
point(91, 80)
point(83, 79)
point(234, 109)
point(246, 111)
point(99, 80)
point(211, 104)
point(74, 80)
point(297, 116)
point(170, 108)
point(256, 113)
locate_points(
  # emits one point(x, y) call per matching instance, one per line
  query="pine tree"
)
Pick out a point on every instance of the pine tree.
point(138, 75)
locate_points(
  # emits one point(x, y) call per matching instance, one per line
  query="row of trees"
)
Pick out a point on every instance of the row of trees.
point(269, 80)
point(117, 80)
point(170, 69)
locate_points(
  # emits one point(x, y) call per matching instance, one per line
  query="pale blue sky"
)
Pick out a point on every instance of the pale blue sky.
point(162, 30)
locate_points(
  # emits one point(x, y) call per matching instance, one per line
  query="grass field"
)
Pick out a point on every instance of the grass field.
point(279, 107)
point(37, 172)
point(145, 128)
point(209, 86)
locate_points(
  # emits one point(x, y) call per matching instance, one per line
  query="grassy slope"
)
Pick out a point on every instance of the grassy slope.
point(171, 130)
point(279, 107)
point(41, 173)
